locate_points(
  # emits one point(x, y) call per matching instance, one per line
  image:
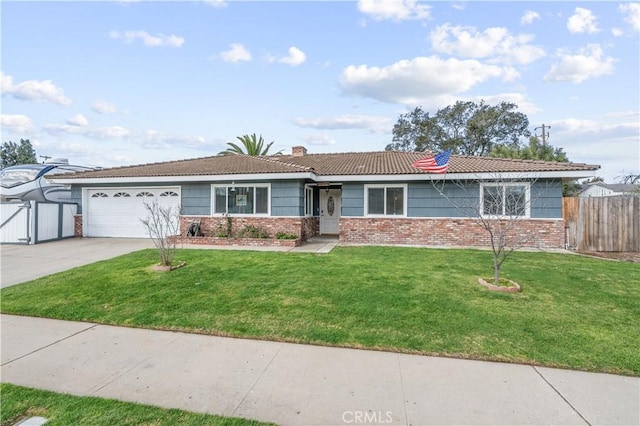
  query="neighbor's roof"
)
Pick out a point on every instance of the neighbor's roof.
point(615, 187)
point(337, 164)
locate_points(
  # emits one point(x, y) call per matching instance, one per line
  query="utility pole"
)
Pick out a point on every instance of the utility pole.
point(545, 133)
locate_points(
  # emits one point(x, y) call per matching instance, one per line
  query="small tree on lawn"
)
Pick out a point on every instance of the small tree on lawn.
point(496, 206)
point(162, 223)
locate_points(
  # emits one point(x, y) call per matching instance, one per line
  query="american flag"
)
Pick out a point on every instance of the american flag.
point(434, 163)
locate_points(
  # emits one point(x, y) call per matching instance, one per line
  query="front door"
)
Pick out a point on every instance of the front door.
point(330, 211)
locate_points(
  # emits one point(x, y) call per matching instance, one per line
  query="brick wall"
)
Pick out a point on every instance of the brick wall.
point(77, 225)
point(304, 227)
point(251, 242)
point(445, 232)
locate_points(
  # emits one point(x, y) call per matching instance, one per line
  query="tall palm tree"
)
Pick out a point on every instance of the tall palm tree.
point(253, 145)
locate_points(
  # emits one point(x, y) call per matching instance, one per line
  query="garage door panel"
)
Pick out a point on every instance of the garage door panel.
point(111, 213)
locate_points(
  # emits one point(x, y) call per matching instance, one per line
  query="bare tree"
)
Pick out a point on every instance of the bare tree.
point(162, 223)
point(630, 179)
point(497, 206)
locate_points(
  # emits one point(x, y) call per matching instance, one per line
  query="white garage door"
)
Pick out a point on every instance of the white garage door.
point(117, 212)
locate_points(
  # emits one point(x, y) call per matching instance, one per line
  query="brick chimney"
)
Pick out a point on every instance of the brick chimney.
point(298, 151)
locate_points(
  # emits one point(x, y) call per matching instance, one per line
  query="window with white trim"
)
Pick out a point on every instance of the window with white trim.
point(308, 201)
point(99, 195)
point(121, 195)
point(505, 199)
point(385, 200)
point(144, 194)
point(241, 200)
point(169, 194)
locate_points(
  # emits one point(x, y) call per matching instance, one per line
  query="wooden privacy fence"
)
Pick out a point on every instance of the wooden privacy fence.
point(602, 223)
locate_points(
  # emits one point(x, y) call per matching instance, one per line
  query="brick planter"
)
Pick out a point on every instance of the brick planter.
point(249, 242)
point(304, 227)
point(514, 287)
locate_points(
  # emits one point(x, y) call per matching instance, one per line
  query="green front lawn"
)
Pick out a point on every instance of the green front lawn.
point(574, 312)
point(20, 403)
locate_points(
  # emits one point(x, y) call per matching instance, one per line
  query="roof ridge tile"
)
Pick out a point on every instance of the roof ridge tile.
point(273, 159)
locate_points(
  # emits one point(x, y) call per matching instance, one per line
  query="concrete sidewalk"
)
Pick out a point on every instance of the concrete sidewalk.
point(300, 384)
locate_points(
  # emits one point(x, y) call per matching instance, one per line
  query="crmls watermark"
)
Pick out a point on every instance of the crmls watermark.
point(367, 417)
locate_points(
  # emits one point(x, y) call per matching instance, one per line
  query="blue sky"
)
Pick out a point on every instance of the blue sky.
point(116, 83)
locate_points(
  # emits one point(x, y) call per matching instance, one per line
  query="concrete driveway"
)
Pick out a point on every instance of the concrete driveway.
point(22, 263)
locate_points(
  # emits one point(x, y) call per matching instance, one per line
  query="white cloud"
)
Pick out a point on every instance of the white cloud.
point(147, 138)
point(588, 62)
point(109, 132)
point(216, 3)
point(528, 17)
point(296, 57)
point(33, 90)
point(418, 81)
point(57, 129)
point(318, 140)
point(632, 14)
point(459, 6)
point(375, 124)
point(495, 43)
point(396, 10)
point(522, 101)
point(16, 123)
point(148, 39)
point(156, 139)
point(78, 120)
point(103, 107)
point(237, 53)
point(611, 141)
point(617, 32)
point(582, 20)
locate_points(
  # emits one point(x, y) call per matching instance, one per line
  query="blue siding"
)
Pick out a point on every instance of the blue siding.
point(76, 196)
point(424, 200)
point(353, 199)
point(287, 198)
point(546, 199)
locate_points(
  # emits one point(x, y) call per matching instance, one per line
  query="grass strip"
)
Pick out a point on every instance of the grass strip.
point(20, 403)
point(573, 312)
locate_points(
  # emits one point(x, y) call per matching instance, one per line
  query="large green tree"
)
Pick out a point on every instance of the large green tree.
point(251, 145)
point(539, 151)
point(466, 128)
point(12, 153)
point(534, 151)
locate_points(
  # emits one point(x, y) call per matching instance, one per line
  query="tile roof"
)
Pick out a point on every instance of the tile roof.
point(215, 165)
point(399, 163)
point(337, 164)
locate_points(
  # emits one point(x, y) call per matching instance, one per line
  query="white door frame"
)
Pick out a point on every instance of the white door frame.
point(330, 221)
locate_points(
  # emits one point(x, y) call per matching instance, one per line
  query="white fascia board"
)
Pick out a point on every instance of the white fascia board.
point(572, 174)
point(250, 177)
